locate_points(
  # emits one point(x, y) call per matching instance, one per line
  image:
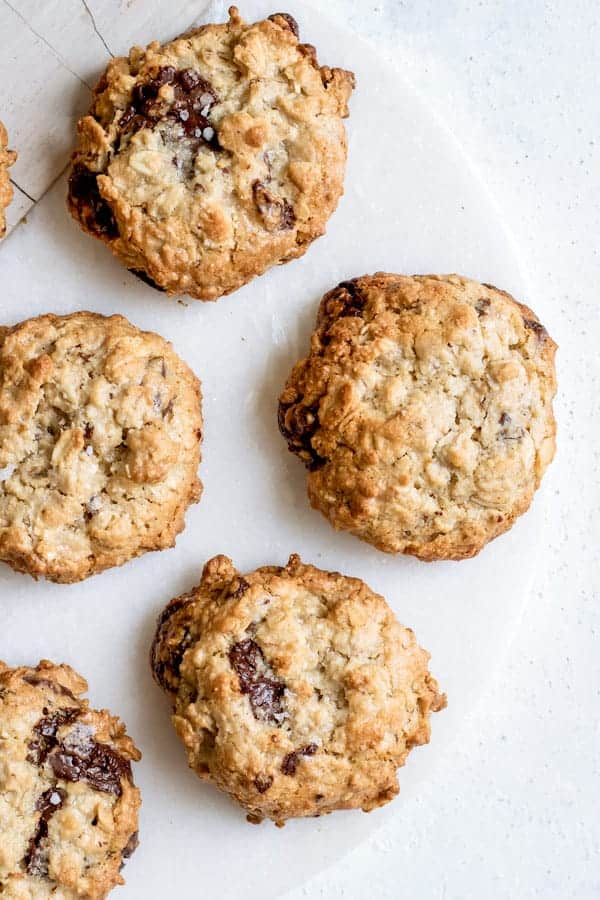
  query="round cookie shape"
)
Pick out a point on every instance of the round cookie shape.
point(295, 690)
point(206, 160)
point(423, 412)
point(68, 804)
point(7, 158)
point(100, 431)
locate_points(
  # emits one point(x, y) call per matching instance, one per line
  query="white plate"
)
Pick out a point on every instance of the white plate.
point(412, 204)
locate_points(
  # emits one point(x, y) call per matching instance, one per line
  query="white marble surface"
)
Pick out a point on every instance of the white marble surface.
point(511, 811)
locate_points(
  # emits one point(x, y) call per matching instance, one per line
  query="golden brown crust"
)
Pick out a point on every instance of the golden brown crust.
point(207, 160)
point(423, 412)
point(295, 690)
point(68, 804)
point(7, 158)
point(100, 432)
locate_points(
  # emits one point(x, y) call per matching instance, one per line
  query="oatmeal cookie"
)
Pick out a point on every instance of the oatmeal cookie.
point(68, 804)
point(295, 690)
point(100, 430)
point(207, 160)
point(7, 158)
point(423, 412)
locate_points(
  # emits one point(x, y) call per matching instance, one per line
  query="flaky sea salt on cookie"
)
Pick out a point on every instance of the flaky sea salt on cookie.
point(423, 412)
point(68, 804)
point(100, 432)
point(295, 690)
point(206, 160)
point(7, 158)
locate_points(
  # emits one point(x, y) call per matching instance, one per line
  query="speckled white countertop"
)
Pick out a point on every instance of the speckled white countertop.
point(511, 810)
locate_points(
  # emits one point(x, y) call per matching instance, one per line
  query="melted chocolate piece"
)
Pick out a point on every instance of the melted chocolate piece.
point(193, 100)
point(262, 783)
point(240, 590)
point(347, 299)
point(264, 692)
point(35, 860)
point(297, 424)
point(537, 328)
point(505, 419)
point(93, 211)
point(482, 306)
point(45, 733)
point(276, 212)
point(143, 276)
point(130, 847)
point(290, 762)
point(289, 21)
point(97, 764)
point(166, 670)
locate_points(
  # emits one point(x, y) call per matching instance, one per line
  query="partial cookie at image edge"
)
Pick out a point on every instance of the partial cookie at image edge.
point(68, 803)
point(7, 159)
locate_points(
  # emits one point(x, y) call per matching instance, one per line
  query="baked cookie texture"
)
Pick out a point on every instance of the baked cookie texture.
point(295, 690)
point(7, 158)
point(68, 804)
point(206, 160)
point(423, 412)
point(100, 430)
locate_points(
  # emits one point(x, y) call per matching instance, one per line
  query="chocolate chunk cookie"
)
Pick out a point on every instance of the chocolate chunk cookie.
point(423, 412)
point(295, 690)
point(100, 430)
point(207, 160)
point(7, 158)
point(68, 804)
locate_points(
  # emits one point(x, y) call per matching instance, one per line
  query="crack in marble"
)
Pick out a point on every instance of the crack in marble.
point(41, 38)
point(95, 27)
point(23, 191)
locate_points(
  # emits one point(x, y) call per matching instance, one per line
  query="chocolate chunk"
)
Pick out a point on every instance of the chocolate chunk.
point(262, 783)
point(482, 306)
point(131, 846)
point(171, 640)
point(264, 692)
point(35, 860)
point(97, 764)
point(347, 299)
point(191, 104)
point(46, 730)
point(505, 419)
point(290, 762)
point(129, 849)
point(298, 424)
point(289, 21)
point(276, 212)
point(50, 801)
point(143, 276)
point(240, 590)
point(93, 211)
point(537, 328)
